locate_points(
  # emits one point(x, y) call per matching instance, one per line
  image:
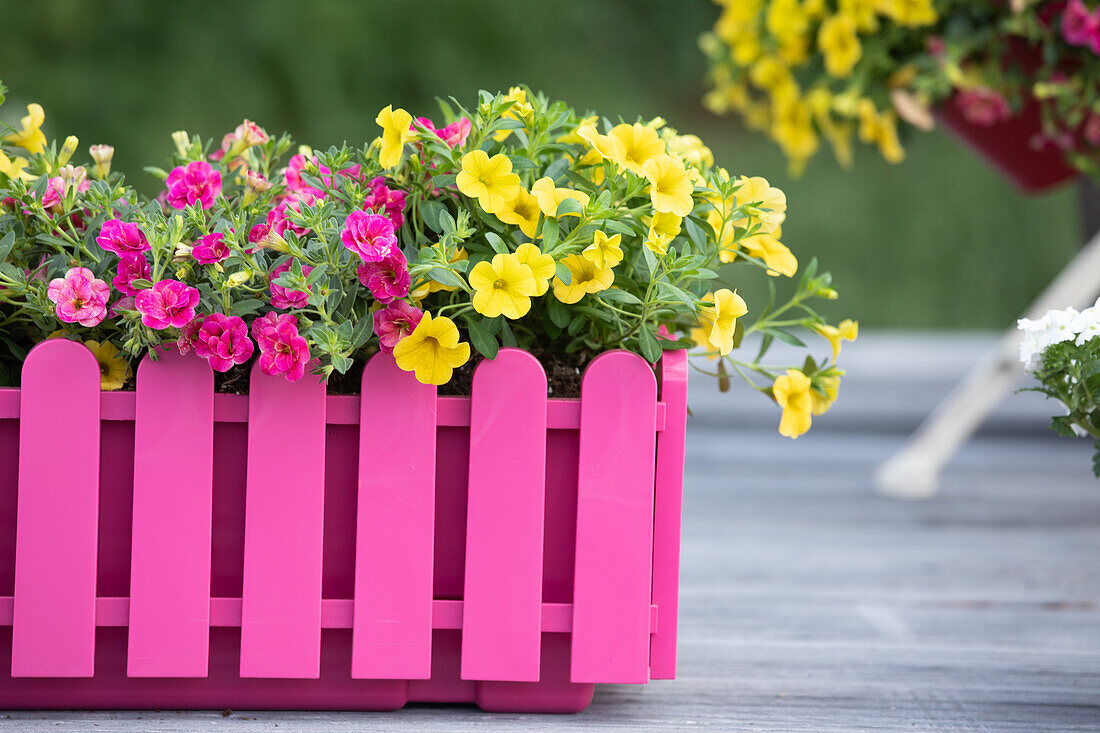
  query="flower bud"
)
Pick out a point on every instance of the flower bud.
point(102, 155)
point(67, 150)
point(73, 175)
point(255, 184)
point(182, 253)
point(827, 293)
point(182, 141)
point(239, 278)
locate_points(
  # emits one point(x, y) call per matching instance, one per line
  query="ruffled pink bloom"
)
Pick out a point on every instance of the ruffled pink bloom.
point(186, 340)
point(293, 176)
point(223, 341)
point(387, 279)
point(385, 200)
point(122, 238)
point(285, 297)
point(169, 303)
point(1080, 26)
point(371, 236)
point(282, 349)
point(455, 134)
point(210, 248)
point(983, 106)
point(54, 195)
point(247, 134)
point(198, 182)
point(394, 322)
point(80, 297)
point(131, 267)
point(122, 304)
point(277, 219)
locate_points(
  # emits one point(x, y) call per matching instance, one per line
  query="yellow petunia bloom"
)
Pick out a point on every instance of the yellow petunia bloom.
point(880, 129)
point(572, 137)
point(839, 45)
point(665, 223)
point(657, 243)
point(862, 12)
point(605, 146)
point(396, 131)
point(520, 110)
point(542, 265)
point(823, 394)
point(604, 252)
point(670, 186)
point(114, 370)
point(846, 330)
point(585, 278)
point(30, 138)
point(550, 197)
point(767, 247)
point(911, 13)
point(720, 320)
point(489, 180)
point(67, 150)
point(765, 204)
point(521, 211)
point(432, 351)
point(637, 145)
point(503, 286)
point(691, 150)
point(13, 167)
point(792, 394)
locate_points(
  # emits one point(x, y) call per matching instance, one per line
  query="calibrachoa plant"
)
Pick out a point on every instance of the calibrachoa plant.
point(1062, 351)
point(514, 222)
point(803, 70)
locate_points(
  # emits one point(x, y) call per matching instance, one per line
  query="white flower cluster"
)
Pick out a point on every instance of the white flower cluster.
point(1054, 328)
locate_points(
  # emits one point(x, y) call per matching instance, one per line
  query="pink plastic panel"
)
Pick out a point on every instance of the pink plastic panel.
point(612, 583)
point(284, 527)
point(502, 606)
point(668, 505)
point(173, 482)
point(392, 633)
point(58, 513)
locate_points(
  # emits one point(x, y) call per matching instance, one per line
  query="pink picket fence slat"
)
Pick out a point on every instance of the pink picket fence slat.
point(284, 528)
point(53, 621)
point(502, 607)
point(612, 583)
point(173, 501)
point(395, 526)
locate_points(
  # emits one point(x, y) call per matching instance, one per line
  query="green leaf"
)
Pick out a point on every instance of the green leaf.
point(648, 345)
point(563, 274)
point(506, 336)
point(549, 234)
point(430, 211)
point(364, 327)
point(6, 245)
point(620, 296)
point(1062, 425)
point(559, 314)
point(786, 337)
point(569, 206)
point(446, 277)
point(1096, 461)
point(496, 243)
point(481, 339)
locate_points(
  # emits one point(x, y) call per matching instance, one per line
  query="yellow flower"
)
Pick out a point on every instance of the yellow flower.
point(67, 150)
point(550, 197)
point(772, 75)
point(396, 131)
point(432, 351)
point(657, 243)
point(880, 129)
point(114, 370)
point(764, 204)
point(604, 252)
point(30, 138)
point(503, 286)
point(839, 44)
point(776, 256)
point(521, 211)
point(585, 277)
point(663, 228)
point(670, 186)
point(572, 137)
point(605, 146)
point(489, 180)
point(846, 330)
point(861, 11)
point(637, 145)
point(13, 167)
point(521, 110)
point(910, 13)
point(720, 320)
point(542, 265)
point(823, 394)
point(793, 129)
point(792, 394)
point(691, 150)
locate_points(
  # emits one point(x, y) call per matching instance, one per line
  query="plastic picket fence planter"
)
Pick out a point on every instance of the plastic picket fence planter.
point(176, 548)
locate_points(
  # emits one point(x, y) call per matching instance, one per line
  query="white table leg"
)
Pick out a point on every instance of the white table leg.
point(913, 472)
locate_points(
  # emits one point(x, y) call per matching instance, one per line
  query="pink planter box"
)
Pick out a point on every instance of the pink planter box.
point(176, 548)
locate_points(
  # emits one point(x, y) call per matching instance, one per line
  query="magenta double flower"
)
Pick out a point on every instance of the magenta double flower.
point(384, 200)
point(131, 267)
point(394, 322)
point(196, 183)
point(371, 236)
point(1081, 26)
point(223, 341)
point(122, 238)
point(80, 297)
point(282, 349)
point(210, 248)
point(285, 297)
point(387, 279)
point(169, 303)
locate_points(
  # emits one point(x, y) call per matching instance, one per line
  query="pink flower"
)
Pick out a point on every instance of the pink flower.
point(1080, 27)
point(168, 303)
point(282, 297)
point(197, 183)
point(210, 248)
point(53, 196)
point(371, 236)
point(131, 267)
point(384, 200)
point(387, 279)
point(223, 341)
point(293, 176)
point(122, 304)
point(247, 134)
point(186, 341)
point(455, 134)
point(1091, 130)
point(282, 349)
point(277, 219)
point(394, 322)
point(80, 297)
point(122, 238)
point(983, 106)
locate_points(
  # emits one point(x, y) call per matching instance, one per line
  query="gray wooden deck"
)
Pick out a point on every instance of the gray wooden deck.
point(811, 604)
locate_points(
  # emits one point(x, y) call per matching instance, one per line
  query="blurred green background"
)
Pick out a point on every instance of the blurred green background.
point(939, 241)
